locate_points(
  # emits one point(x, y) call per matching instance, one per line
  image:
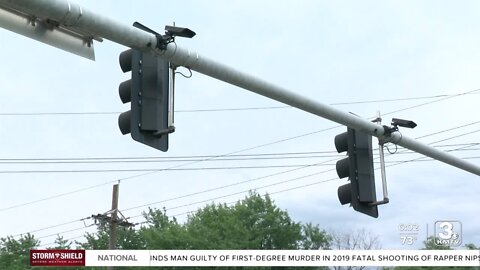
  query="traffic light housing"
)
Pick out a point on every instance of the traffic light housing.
point(148, 92)
point(358, 167)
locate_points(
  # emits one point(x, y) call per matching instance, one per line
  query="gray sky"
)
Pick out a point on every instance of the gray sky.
point(333, 52)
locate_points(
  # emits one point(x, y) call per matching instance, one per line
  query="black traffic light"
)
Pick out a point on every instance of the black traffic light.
point(358, 166)
point(148, 91)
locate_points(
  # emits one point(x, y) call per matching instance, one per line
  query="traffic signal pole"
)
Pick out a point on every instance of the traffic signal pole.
point(73, 16)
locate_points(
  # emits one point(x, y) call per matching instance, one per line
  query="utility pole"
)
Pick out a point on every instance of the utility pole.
point(113, 220)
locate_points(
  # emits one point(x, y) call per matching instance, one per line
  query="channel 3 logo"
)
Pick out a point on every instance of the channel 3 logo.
point(448, 233)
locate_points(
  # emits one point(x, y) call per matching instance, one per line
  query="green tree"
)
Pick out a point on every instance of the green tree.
point(314, 238)
point(163, 232)
point(471, 246)
point(252, 223)
point(430, 244)
point(127, 238)
point(15, 254)
point(355, 240)
point(61, 243)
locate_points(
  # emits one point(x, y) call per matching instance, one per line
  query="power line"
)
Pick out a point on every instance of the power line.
point(396, 162)
point(241, 192)
point(449, 138)
point(48, 227)
point(431, 102)
point(280, 191)
point(159, 159)
point(399, 162)
point(67, 239)
point(272, 193)
point(216, 198)
point(231, 154)
point(53, 197)
point(404, 99)
point(187, 169)
point(190, 204)
point(221, 197)
point(155, 170)
point(228, 154)
point(178, 167)
point(423, 158)
point(180, 206)
point(244, 108)
point(210, 158)
point(449, 129)
point(139, 175)
point(184, 196)
point(426, 159)
point(457, 136)
point(67, 231)
point(254, 179)
point(269, 185)
point(89, 160)
point(171, 199)
point(443, 131)
point(221, 187)
point(245, 191)
point(335, 104)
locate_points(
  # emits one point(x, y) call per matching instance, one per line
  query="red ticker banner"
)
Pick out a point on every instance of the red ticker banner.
point(57, 257)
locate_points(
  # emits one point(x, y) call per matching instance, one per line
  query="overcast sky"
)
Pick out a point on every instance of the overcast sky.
point(421, 59)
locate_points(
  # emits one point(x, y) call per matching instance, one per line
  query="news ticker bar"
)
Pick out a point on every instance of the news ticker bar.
point(188, 258)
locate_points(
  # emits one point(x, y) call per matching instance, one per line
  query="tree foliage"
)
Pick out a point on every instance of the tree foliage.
point(356, 240)
point(15, 253)
point(430, 244)
point(252, 223)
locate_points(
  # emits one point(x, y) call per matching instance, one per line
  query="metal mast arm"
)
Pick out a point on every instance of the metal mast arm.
point(224, 73)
